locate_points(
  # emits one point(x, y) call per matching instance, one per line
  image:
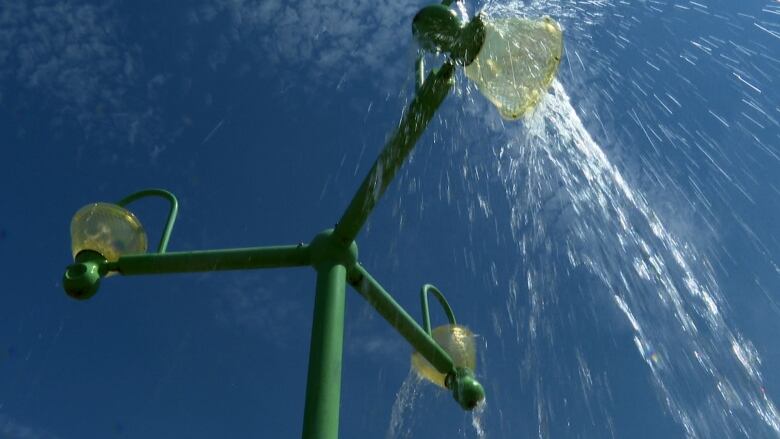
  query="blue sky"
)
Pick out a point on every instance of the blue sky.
point(263, 117)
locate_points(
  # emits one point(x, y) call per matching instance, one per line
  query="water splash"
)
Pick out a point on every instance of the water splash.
point(417, 395)
point(477, 419)
point(405, 400)
point(573, 211)
point(614, 318)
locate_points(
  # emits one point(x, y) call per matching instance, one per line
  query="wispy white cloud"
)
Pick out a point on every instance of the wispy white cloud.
point(331, 40)
point(10, 428)
point(260, 304)
point(384, 346)
point(71, 58)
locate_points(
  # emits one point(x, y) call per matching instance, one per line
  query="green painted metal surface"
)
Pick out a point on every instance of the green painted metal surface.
point(465, 388)
point(428, 288)
point(388, 308)
point(172, 212)
point(82, 280)
point(332, 253)
point(438, 29)
point(213, 260)
point(323, 384)
point(433, 91)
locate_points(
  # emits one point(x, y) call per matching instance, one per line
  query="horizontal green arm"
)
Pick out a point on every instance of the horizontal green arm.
point(213, 260)
point(430, 95)
point(384, 303)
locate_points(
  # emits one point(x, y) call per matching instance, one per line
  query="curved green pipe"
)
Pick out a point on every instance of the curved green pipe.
point(174, 210)
point(440, 297)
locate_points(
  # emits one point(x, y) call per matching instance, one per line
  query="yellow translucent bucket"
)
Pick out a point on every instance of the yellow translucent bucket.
point(108, 229)
point(517, 63)
point(458, 342)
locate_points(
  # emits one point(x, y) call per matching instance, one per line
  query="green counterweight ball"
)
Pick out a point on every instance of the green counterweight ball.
point(466, 389)
point(82, 279)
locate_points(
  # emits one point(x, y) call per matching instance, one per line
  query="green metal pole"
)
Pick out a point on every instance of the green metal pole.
point(82, 279)
point(213, 260)
point(432, 93)
point(323, 385)
point(384, 303)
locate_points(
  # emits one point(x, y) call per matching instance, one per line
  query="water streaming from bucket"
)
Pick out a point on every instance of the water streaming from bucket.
point(573, 210)
point(400, 418)
point(575, 219)
point(609, 294)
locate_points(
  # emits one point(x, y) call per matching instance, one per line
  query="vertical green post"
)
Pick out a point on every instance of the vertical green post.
point(323, 385)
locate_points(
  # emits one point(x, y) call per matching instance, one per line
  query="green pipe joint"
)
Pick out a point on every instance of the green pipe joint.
point(82, 279)
point(465, 388)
